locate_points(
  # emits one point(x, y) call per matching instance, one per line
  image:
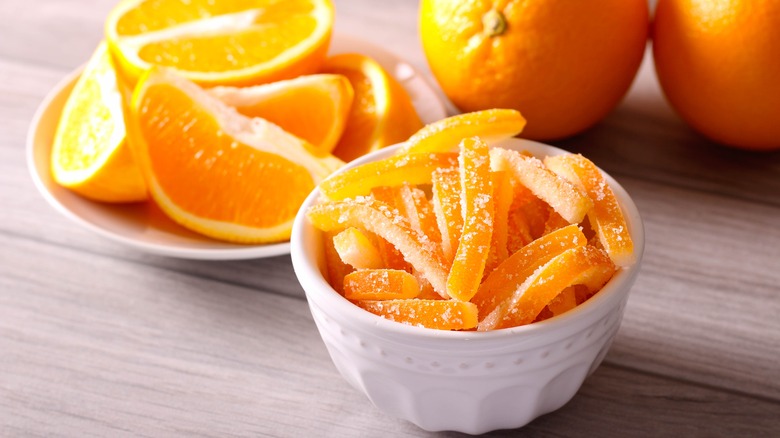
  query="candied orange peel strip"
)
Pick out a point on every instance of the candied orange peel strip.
point(446, 206)
point(336, 268)
point(380, 284)
point(565, 301)
point(435, 314)
point(573, 266)
point(509, 275)
point(445, 135)
point(566, 199)
point(357, 250)
point(389, 172)
point(606, 217)
point(476, 203)
point(502, 201)
point(376, 217)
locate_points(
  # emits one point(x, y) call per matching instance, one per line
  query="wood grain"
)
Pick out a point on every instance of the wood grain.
point(101, 340)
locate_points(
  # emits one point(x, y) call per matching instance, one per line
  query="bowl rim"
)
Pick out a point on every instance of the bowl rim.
point(319, 291)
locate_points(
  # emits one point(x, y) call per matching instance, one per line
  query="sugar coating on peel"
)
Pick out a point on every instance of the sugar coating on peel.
point(335, 267)
point(419, 211)
point(476, 204)
point(509, 275)
point(378, 218)
point(434, 314)
point(606, 218)
point(444, 135)
point(569, 201)
point(357, 250)
point(502, 201)
point(380, 284)
point(573, 266)
point(446, 207)
point(565, 301)
point(389, 172)
point(392, 258)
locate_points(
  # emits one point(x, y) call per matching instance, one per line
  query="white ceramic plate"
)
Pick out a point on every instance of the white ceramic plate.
point(142, 225)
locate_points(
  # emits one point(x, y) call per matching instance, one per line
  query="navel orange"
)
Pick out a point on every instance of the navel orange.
point(563, 65)
point(214, 170)
point(225, 42)
point(718, 63)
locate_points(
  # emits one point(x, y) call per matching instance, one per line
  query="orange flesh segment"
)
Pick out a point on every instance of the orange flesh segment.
point(381, 220)
point(502, 200)
point(355, 249)
point(335, 268)
point(606, 217)
point(571, 267)
point(569, 201)
point(477, 210)
point(445, 135)
point(446, 207)
point(390, 172)
point(509, 275)
point(434, 314)
point(380, 284)
point(193, 140)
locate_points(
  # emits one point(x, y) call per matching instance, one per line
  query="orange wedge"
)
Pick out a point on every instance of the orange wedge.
point(583, 264)
point(446, 207)
point(388, 224)
point(435, 314)
point(355, 249)
point(313, 107)
point(445, 135)
point(476, 199)
point(389, 172)
point(605, 218)
point(90, 154)
point(569, 201)
point(380, 284)
point(382, 113)
point(213, 170)
point(509, 275)
point(225, 42)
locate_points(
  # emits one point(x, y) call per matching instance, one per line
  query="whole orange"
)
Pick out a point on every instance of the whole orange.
point(718, 62)
point(563, 64)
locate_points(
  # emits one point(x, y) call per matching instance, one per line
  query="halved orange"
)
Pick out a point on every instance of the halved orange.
point(382, 113)
point(312, 107)
point(90, 154)
point(213, 170)
point(225, 42)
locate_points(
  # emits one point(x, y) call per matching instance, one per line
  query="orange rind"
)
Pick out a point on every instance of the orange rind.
point(380, 284)
point(435, 314)
point(446, 207)
point(357, 250)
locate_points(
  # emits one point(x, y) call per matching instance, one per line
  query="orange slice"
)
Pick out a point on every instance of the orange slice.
point(446, 206)
point(385, 222)
point(445, 135)
point(213, 170)
point(509, 275)
point(355, 249)
point(389, 172)
point(605, 218)
point(226, 42)
point(314, 107)
point(583, 264)
point(380, 284)
point(90, 154)
point(382, 113)
point(569, 201)
point(477, 209)
point(435, 314)
point(335, 267)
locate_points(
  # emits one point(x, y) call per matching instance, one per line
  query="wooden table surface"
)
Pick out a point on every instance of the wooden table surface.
point(97, 339)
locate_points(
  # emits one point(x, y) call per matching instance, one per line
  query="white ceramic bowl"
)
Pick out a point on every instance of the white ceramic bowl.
point(471, 382)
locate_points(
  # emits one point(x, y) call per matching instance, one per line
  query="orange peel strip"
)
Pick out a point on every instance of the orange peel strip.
point(573, 266)
point(444, 135)
point(392, 171)
point(446, 206)
point(420, 212)
point(357, 250)
point(476, 203)
point(569, 201)
point(380, 284)
point(509, 275)
point(565, 301)
point(502, 201)
point(378, 218)
point(336, 268)
point(606, 218)
point(435, 314)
